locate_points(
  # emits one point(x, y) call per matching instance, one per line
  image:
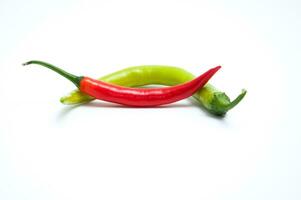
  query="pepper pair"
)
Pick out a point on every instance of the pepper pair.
point(182, 85)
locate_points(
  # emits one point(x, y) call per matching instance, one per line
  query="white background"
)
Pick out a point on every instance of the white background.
point(103, 151)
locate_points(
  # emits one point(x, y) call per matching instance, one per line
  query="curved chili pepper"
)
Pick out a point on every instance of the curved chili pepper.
point(141, 97)
point(210, 98)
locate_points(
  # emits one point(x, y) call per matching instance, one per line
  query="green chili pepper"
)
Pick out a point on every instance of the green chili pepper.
point(214, 101)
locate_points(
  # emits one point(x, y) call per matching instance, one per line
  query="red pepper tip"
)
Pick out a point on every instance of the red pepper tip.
point(215, 69)
point(218, 67)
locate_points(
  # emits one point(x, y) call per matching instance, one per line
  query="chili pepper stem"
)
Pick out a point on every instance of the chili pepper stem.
point(74, 79)
point(236, 100)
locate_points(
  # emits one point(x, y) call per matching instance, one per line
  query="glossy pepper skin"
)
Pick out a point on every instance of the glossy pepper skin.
point(210, 98)
point(140, 97)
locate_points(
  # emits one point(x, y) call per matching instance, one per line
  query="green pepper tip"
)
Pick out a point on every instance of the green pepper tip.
point(62, 100)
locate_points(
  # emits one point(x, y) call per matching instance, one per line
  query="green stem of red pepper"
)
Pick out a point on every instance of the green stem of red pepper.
point(74, 79)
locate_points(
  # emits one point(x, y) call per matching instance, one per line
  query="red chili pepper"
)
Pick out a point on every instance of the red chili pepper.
point(140, 97)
